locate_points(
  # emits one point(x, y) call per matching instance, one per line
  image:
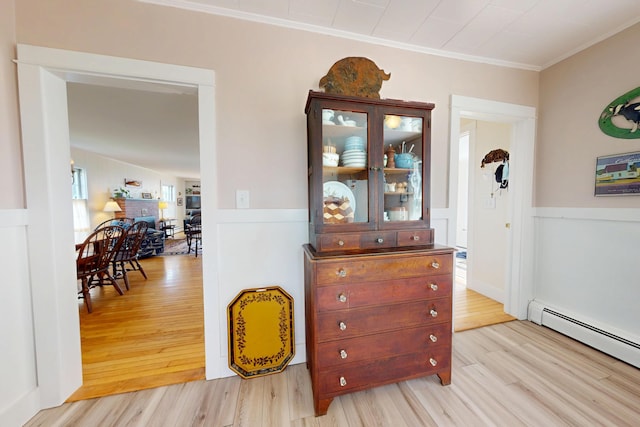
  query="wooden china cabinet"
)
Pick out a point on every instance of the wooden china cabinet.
point(378, 291)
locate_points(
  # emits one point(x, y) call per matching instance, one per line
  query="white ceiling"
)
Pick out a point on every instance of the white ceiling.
point(530, 34)
point(156, 127)
point(152, 126)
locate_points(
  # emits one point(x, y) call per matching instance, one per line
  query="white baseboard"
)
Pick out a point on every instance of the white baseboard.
point(603, 338)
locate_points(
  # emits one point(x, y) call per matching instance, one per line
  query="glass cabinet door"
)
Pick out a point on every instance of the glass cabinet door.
point(345, 166)
point(403, 158)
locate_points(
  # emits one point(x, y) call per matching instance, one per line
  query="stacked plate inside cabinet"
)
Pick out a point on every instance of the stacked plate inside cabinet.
point(354, 158)
point(354, 143)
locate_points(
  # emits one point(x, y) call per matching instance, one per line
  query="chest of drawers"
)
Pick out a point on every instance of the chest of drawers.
point(376, 318)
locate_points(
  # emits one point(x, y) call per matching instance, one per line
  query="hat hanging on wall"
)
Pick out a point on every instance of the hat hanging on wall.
point(498, 155)
point(502, 171)
point(502, 175)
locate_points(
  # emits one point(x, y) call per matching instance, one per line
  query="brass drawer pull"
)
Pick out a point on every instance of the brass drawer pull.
point(343, 382)
point(433, 338)
point(433, 287)
point(342, 326)
point(342, 273)
point(435, 264)
point(342, 298)
point(433, 361)
point(415, 238)
point(340, 242)
point(343, 354)
point(433, 312)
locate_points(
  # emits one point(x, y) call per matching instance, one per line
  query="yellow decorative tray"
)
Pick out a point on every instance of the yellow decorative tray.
point(261, 339)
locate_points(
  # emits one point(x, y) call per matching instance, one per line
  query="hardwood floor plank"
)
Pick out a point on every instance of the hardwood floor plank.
point(400, 409)
point(513, 373)
point(516, 373)
point(444, 405)
point(222, 402)
point(275, 404)
point(299, 382)
point(249, 410)
point(140, 407)
point(413, 403)
point(153, 335)
point(473, 310)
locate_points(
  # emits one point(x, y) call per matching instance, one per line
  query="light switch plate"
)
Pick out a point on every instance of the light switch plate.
point(242, 199)
point(490, 203)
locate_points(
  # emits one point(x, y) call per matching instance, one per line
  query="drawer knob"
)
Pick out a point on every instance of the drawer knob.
point(379, 240)
point(435, 264)
point(342, 298)
point(343, 354)
point(433, 287)
point(342, 326)
point(433, 312)
point(416, 238)
point(340, 242)
point(342, 272)
point(343, 382)
point(433, 338)
point(433, 361)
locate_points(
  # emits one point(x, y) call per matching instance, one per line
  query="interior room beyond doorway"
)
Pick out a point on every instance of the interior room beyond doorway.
point(480, 236)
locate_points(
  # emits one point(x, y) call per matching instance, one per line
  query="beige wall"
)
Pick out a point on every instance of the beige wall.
point(573, 93)
point(10, 147)
point(263, 75)
point(105, 175)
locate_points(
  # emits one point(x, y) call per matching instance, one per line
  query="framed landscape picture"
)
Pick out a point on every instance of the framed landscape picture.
point(618, 175)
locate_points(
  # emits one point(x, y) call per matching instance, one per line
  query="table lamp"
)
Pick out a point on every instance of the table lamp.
point(112, 206)
point(162, 206)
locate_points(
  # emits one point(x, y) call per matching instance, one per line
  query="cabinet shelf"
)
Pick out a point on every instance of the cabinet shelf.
point(395, 171)
point(348, 169)
point(398, 193)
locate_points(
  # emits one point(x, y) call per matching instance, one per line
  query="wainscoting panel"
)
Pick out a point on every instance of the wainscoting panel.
point(587, 269)
point(259, 248)
point(18, 387)
point(440, 224)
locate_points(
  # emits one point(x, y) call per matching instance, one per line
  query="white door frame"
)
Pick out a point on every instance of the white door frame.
point(519, 283)
point(42, 77)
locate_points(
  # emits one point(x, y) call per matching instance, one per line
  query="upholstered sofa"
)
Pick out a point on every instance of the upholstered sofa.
point(153, 244)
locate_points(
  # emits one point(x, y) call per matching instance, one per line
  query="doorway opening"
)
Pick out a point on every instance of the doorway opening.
point(144, 338)
point(481, 239)
point(43, 74)
point(518, 248)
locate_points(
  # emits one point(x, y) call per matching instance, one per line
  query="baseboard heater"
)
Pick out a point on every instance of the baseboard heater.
point(625, 349)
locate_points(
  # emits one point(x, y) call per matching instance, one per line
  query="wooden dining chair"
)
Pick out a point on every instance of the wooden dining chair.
point(194, 233)
point(94, 258)
point(122, 222)
point(126, 259)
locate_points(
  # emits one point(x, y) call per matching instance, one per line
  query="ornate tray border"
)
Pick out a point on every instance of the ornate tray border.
point(249, 367)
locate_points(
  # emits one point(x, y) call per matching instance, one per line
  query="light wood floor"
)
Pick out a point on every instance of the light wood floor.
point(154, 334)
point(474, 310)
point(511, 374)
